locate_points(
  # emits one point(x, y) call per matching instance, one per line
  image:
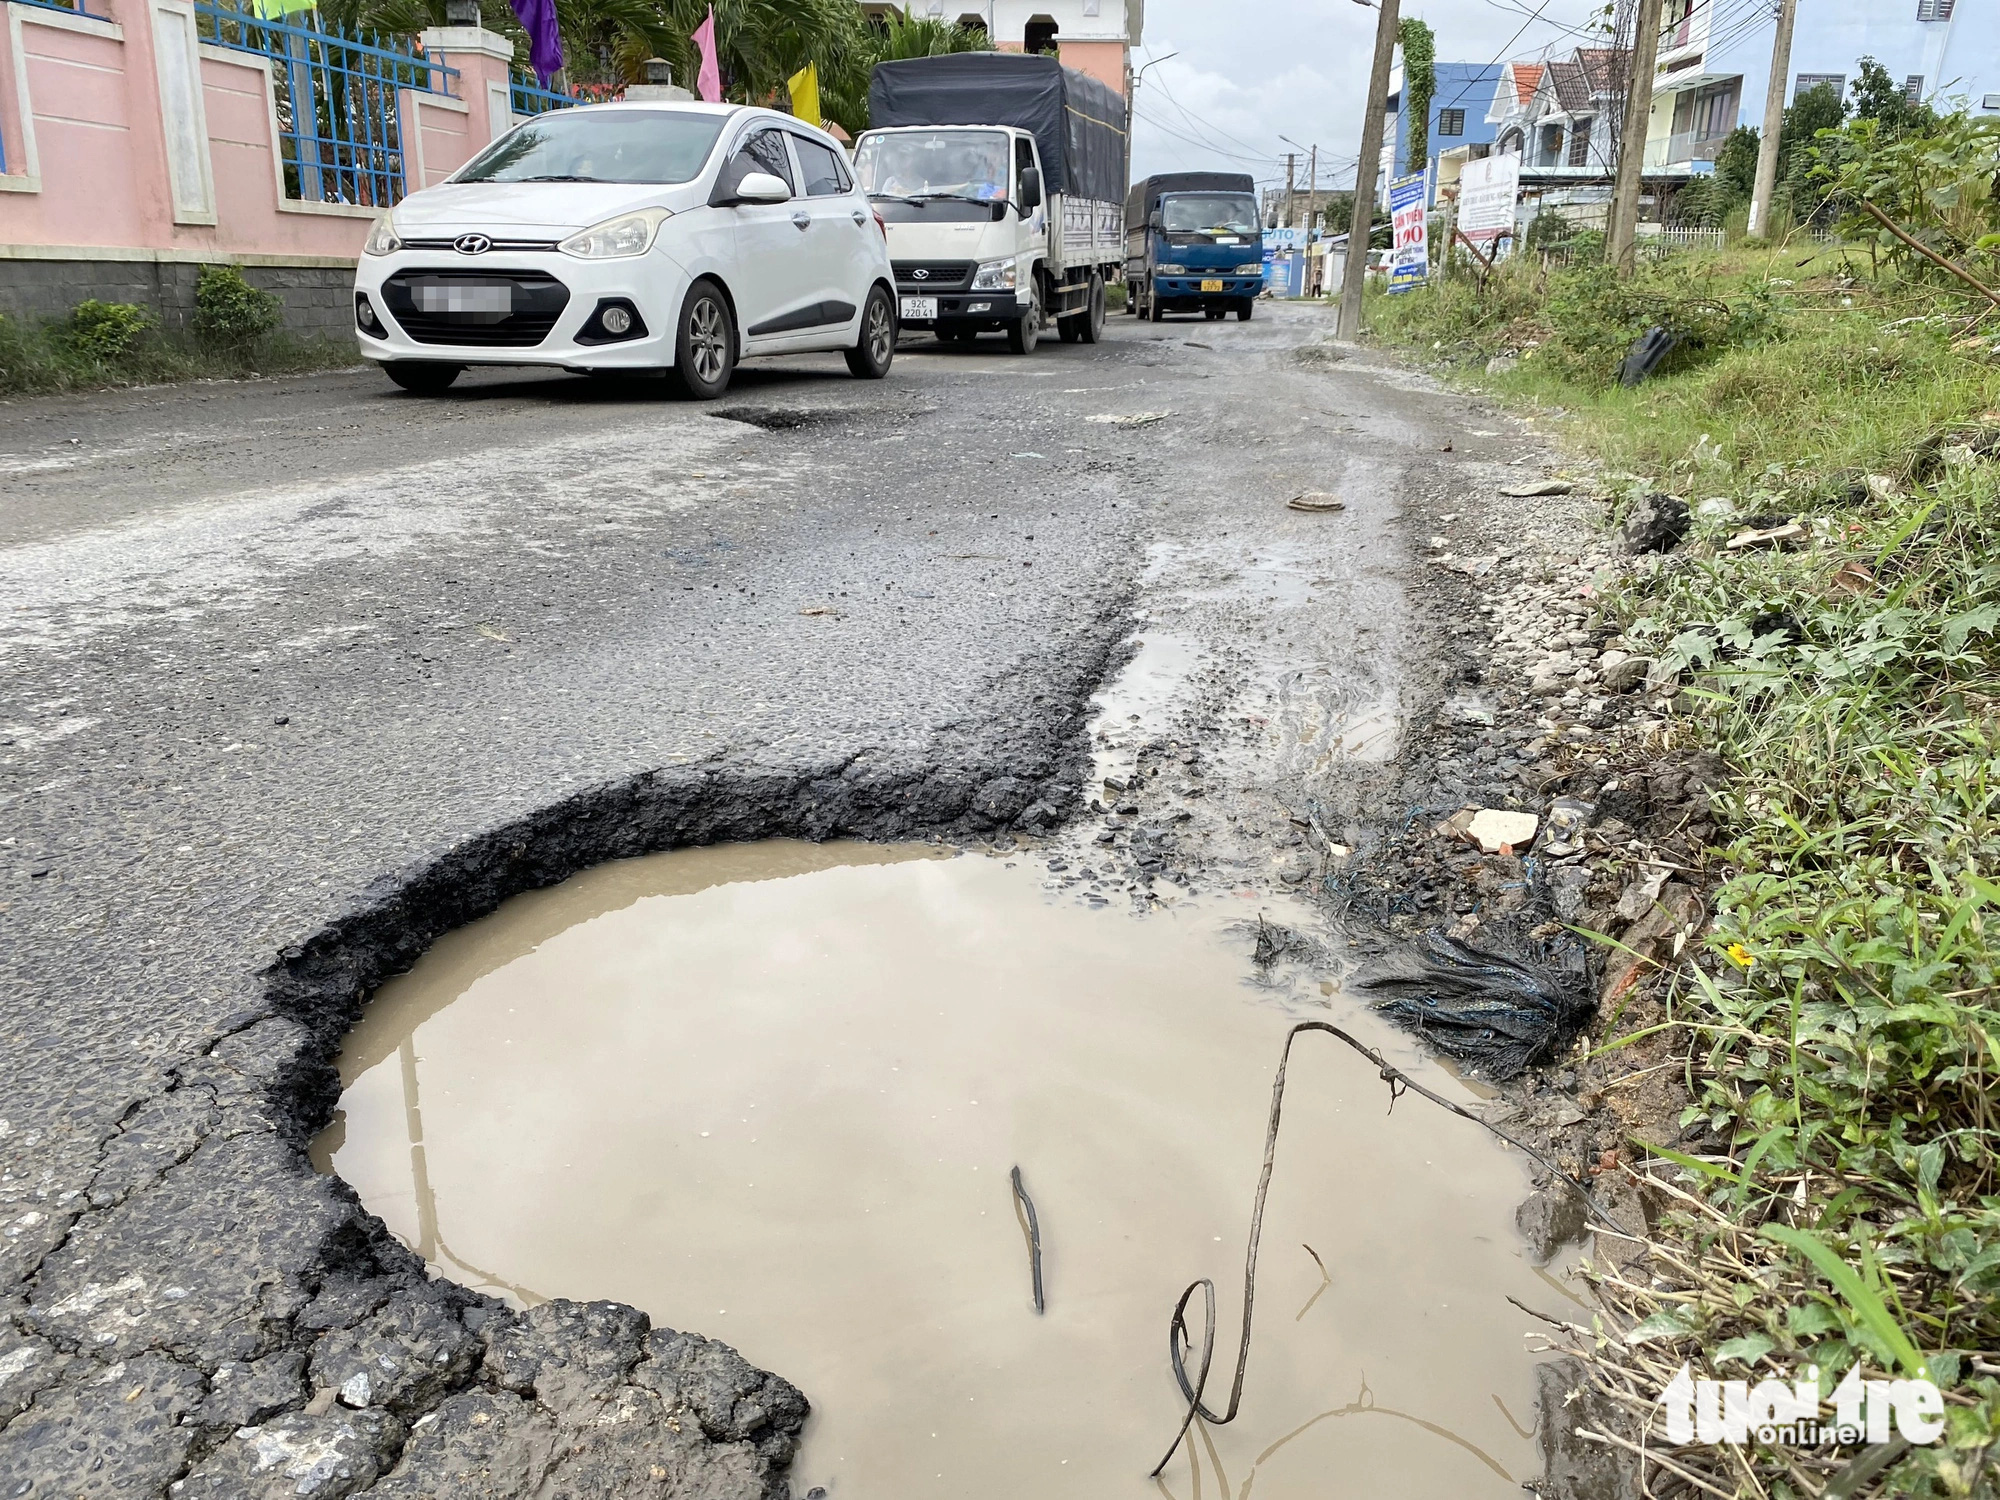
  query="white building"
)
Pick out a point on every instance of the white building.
point(1092, 36)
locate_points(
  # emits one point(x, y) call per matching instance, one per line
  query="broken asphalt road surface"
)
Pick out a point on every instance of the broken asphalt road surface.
point(300, 674)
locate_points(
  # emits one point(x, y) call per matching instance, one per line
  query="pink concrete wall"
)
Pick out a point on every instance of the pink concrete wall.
point(102, 148)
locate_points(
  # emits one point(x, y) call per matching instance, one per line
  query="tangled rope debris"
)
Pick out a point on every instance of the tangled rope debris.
point(1495, 1013)
point(1178, 1342)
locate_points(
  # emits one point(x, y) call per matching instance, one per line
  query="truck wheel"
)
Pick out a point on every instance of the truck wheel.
point(1245, 308)
point(421, 377)
point(1214, 314)
point(875, 349)
point(1154, 312)
point(1023, 335)
point(1090, 322)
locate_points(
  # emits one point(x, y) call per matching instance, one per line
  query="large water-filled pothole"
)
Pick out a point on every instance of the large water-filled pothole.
point(773, 1092)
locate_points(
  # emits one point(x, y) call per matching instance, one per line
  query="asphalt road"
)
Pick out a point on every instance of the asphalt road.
point(296, 674)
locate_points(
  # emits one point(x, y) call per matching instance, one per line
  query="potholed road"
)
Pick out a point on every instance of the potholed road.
point(295, 675)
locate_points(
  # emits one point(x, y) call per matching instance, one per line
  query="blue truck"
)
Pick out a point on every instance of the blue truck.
point(1194, 242)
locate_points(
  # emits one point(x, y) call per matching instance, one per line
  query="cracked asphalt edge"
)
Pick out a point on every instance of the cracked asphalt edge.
point(309, 1352)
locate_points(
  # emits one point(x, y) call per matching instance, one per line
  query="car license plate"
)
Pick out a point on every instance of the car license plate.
point(1211, 286)
point(477, 299)
point(920, 308)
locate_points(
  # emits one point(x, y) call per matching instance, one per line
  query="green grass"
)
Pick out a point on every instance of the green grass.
point(52, 358)
point(1841, 1025)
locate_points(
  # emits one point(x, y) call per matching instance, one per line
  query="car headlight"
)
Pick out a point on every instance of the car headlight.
point(628, 234)
point(382, 239)
point(1170, 270)
point(1255, 268)
point(994, 276)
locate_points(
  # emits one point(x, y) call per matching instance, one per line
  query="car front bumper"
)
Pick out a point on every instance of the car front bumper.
point(960, 308)
point(440, 306)
point(1234, 288)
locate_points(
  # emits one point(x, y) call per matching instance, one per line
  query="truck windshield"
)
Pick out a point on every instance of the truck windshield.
point(1209, 213)
point(621, 145)
point(926, 164)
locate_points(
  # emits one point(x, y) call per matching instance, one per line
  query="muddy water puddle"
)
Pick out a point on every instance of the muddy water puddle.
point(773, 1093)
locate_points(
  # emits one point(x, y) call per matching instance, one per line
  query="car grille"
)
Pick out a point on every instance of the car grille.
point(422, 302)
point(933, 275)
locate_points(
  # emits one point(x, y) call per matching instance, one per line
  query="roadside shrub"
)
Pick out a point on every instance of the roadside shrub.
point(1596, 315)
point(105, 331)
point(228, 310)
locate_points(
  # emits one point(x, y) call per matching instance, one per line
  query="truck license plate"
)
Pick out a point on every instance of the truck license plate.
point(920, 309)
point(1211, 286)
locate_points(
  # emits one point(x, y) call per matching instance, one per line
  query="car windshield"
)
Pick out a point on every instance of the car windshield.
point(1209, 213)
point(922, 164)
point(613, 145)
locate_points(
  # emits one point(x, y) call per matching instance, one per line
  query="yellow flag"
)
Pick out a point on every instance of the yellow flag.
point(804, 85)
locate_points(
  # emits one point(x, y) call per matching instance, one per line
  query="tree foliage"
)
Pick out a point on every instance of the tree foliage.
point(1419, 85)
point(759, 43)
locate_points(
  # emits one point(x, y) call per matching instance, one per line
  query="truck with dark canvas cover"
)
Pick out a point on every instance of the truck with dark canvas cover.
point(1194, 242)
point(1001, 178)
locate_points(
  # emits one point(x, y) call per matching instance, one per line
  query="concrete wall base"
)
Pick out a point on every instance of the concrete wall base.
point(318, 299)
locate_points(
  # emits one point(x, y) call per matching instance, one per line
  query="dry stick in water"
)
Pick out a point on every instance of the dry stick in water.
point(1177, 1332)
point(1034, 1236)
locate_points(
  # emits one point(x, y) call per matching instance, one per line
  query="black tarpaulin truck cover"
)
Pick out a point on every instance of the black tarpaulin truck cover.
point(1147, 193)
point(1078, 123)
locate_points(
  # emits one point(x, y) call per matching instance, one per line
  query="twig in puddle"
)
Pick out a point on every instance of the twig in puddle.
point(1034, 1237)
point(1178, 1342)
point(1325, 1281)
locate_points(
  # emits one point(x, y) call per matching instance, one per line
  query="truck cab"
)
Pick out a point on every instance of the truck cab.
point(967, 223)
point(999, 178)
point(1194, 243)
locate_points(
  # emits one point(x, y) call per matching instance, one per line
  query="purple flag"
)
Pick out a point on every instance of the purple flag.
point(538, 19)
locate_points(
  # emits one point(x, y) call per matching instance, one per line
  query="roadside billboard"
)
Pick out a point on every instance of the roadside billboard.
point(1409, 216)
point(1487, 189)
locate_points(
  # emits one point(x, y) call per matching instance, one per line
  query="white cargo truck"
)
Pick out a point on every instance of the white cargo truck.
point(1001, 179)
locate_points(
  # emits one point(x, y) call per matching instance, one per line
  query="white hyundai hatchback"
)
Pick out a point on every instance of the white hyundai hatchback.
point(676, 238)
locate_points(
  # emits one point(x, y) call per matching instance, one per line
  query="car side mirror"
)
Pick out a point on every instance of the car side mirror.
point(762, 187)
point(1155, 221)
point(733, 184)
point(1031, 188)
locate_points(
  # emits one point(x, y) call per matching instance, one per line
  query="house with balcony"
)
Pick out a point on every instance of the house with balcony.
point(1092, 36)
point(1938, 50)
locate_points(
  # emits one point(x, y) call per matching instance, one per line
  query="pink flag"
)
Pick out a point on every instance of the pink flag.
point(708, 82)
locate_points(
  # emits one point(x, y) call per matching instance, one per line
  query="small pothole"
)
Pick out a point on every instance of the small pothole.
point(773, 1092)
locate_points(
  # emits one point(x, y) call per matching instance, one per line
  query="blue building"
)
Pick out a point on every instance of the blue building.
point(1459, 108)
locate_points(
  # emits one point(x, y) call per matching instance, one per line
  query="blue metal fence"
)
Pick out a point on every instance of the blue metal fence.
point(532, 99)
point(340, 125)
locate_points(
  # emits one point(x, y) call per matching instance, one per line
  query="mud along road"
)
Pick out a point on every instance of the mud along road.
point(294, 676)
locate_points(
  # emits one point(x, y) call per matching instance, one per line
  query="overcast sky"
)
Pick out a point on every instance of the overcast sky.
point(1248, 74)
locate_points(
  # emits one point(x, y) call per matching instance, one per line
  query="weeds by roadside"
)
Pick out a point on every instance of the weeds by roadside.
point(235, 333)
point(1837, 1030)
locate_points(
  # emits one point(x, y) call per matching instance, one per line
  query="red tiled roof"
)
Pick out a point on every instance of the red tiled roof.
point(1526, 77)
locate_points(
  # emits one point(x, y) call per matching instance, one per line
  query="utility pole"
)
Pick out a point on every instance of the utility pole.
point(1623, 227)
point(1312, 190)
point(1774, 121)
point(1369, 165)
point(1291, 193)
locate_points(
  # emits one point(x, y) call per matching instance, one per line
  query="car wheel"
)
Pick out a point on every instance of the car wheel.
point(1154, 311)
point(1244, 309)
point(705, 344)
point(421, 377)
point(875, 349)
point(1026, 332)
